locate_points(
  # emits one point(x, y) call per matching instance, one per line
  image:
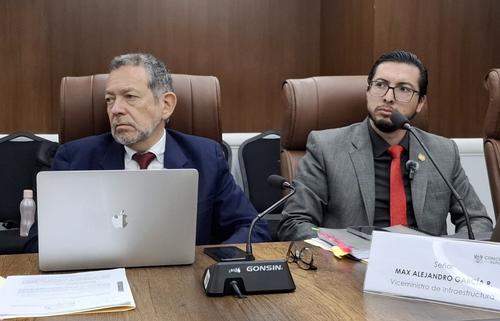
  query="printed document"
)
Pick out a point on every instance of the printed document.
point(57, 294)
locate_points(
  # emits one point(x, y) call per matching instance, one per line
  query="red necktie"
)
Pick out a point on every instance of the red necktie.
point(397, 193)
point(144, 159)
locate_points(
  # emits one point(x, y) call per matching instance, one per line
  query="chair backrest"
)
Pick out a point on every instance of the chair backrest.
point(259, 157)
point(320, 103)
point(228, 153)
point(23, 156)
point(83, 109)
point(492, 136)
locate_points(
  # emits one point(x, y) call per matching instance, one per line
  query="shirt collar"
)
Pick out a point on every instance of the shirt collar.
point(379, 145)
point(158, 149)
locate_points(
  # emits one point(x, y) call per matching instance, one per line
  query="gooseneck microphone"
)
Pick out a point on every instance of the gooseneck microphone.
point(277, 182)
point(250, 276)
point(401, 122)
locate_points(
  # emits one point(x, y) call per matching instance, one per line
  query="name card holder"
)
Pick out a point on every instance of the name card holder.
point(437, 269)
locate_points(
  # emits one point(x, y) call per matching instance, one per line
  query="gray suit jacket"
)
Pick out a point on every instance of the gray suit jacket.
point(335, 184)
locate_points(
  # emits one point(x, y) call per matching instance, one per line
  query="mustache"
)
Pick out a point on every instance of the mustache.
point(117, 121)
point(385, 107)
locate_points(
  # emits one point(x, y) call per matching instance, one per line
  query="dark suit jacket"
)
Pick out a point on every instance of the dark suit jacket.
point(335, 185)
point(224, 213)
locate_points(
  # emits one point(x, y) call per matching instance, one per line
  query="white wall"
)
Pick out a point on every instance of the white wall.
point(51, 137)
point(472, 158)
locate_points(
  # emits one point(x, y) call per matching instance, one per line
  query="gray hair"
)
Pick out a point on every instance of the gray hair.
point(159, 78)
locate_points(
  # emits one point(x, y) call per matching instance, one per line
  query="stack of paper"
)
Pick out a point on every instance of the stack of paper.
point(58, 294)
point(344, 243)
point(352, 243)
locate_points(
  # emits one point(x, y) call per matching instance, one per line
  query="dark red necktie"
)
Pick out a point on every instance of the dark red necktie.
point(144, 159)
point(397, 193)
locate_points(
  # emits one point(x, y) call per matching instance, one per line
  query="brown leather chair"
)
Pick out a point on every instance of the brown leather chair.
point(492, 136)
point(83, 110)
point(319, 103)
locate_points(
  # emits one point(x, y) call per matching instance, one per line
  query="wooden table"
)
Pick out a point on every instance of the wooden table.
point(333, 292)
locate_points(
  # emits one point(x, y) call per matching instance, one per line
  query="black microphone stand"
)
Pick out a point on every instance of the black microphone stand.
point(249, 251)
point(399, 118)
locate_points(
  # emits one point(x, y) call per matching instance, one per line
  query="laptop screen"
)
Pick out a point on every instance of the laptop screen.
point(118, 218)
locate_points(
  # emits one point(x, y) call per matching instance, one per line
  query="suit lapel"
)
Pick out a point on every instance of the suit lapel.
point(419, 182)
point(113, 157)
point(174, 156)
point(362, 159)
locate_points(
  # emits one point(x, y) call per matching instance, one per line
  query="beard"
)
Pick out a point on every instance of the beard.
point(140, 134)
point(386, 125)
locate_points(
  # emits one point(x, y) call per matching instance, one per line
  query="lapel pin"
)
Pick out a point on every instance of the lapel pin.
point(421, 157)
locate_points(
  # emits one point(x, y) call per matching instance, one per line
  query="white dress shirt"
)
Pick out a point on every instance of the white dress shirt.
point(158, 149)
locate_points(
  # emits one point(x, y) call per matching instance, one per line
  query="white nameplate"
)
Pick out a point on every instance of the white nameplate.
point(432, 268)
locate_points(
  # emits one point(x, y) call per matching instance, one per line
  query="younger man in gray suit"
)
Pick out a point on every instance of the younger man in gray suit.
point(345, 178)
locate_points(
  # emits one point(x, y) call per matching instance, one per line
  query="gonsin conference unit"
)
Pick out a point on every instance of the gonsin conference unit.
point(249, 277)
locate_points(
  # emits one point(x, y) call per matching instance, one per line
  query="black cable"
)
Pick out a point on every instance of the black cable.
point(237, 290)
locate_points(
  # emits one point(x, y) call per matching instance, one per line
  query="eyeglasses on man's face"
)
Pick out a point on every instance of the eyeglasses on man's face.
point(379, 88)
point(303, 256)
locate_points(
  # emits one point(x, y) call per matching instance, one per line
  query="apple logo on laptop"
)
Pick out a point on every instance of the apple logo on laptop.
point(119, 221)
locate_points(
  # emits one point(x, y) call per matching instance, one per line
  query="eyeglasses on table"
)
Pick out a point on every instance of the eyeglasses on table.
point(302, 255)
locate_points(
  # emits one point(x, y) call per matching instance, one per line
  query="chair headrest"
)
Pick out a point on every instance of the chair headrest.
point(325, 102)
point(492, 118)
point(83, 109)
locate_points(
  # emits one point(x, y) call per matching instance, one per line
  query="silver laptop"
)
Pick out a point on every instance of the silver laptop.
point(104, 219)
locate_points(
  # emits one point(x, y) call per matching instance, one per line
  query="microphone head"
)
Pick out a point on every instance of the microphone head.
point(412, 165)
point(399, 120)
point(276, 181)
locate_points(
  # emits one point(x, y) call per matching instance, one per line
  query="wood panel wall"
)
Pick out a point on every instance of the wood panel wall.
point(456, 40)
point(251, 46)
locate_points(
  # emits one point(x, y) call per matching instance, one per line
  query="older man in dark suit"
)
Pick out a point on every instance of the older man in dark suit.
point(140, 99)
